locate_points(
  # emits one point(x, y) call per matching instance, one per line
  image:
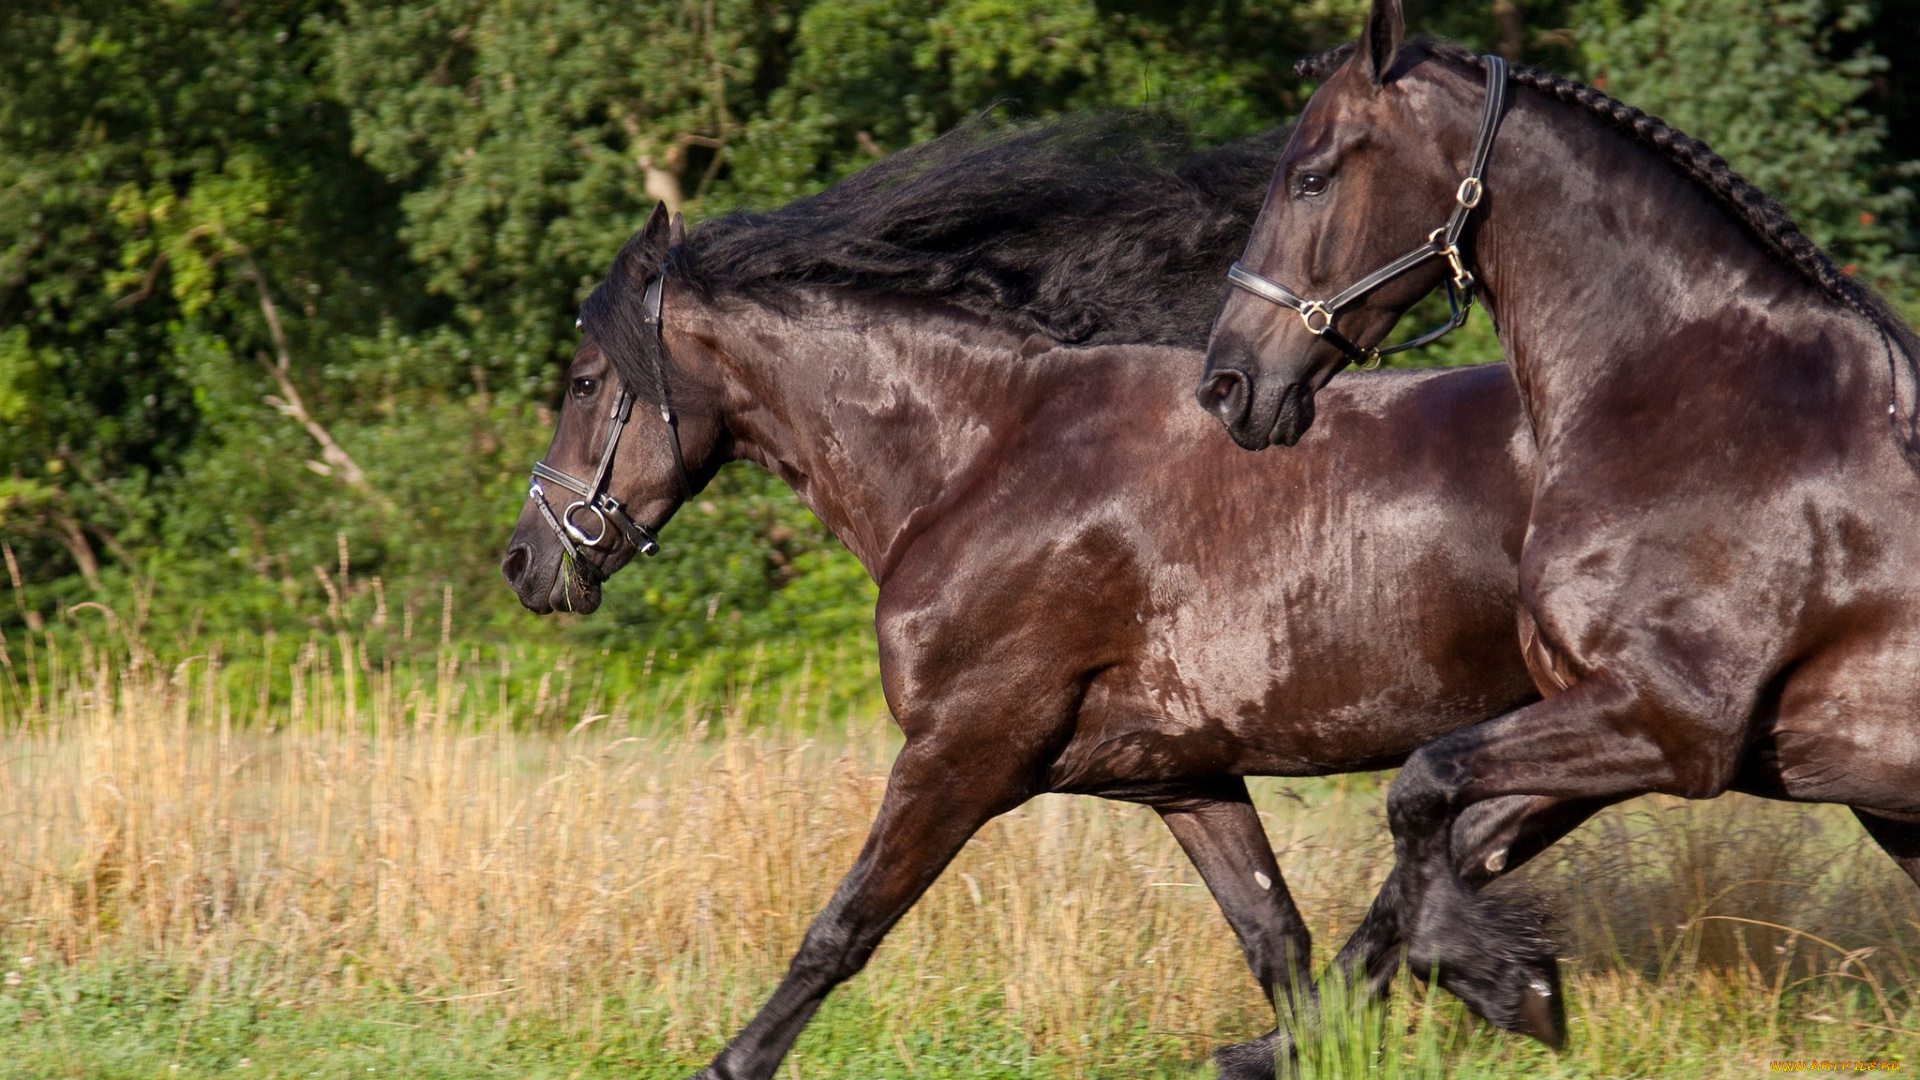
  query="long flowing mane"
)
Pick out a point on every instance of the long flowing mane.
point(1107, 228)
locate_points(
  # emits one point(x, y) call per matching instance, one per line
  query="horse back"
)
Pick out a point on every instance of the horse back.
point(1207, 610)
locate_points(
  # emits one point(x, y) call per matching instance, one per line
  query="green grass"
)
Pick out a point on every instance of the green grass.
point(127, 1020)
point(112, 1022)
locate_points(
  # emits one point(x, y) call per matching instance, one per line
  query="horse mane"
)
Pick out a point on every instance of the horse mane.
point(1114, 227)
point(1763, 217)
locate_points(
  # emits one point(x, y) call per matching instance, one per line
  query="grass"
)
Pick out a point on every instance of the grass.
point(396, 872)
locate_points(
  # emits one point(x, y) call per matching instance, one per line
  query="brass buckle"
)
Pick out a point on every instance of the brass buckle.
point(1316, 307)
point(1462, 277)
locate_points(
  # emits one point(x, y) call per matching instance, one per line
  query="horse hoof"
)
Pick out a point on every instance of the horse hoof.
point(1543, 1008)
point(1252, 1060)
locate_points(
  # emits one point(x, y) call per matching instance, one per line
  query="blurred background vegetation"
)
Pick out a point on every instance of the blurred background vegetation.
point(287, 286)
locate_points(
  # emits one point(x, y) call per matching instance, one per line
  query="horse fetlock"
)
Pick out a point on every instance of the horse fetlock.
point(1542, 1009)
point(1260, 1059)
point(1520, 995)
point(1281, 966)
point(1497, 958)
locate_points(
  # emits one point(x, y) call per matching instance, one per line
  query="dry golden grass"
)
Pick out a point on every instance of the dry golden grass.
point(400, 836)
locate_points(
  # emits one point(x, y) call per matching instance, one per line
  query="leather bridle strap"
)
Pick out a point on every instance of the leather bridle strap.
point(594, 496)
point(651, 314)
point(1442, 243)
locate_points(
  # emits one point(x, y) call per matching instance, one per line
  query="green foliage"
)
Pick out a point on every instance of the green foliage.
point(1759, 82)
point(872, 76)
point(419, 193)
point(142, 148)
point(533, 136)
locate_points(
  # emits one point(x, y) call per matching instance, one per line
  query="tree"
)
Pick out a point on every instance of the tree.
point(106, 105)
point(1759, 82)
point(288, 275)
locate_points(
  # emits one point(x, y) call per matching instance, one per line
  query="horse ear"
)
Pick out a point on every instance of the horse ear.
point(654, 233)
point(643, 250)
point(677, 231)
point(1380, 42)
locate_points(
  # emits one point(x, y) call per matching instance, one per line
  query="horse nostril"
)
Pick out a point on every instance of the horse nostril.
point(515, 564)
point(1225, 396)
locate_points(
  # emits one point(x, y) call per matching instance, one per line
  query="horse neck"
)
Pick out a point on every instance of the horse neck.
point(1599, 258)
point(876, 412)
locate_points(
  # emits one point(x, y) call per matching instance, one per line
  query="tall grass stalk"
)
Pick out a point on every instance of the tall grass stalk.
point(640, 873)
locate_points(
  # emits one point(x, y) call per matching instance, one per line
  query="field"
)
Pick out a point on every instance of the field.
point(438, 867)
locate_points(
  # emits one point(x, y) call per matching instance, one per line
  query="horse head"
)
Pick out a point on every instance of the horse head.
point(1376, 162)
point(638, 433)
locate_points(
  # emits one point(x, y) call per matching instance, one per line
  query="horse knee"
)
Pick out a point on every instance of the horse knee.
point(832, 951)
point(1427, 789)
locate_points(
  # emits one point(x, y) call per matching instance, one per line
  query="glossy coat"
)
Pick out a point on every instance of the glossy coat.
point(1085, 587)
point(1719, 578)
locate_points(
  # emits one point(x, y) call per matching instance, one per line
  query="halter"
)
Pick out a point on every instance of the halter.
point(594, 496)
point(1442, 243)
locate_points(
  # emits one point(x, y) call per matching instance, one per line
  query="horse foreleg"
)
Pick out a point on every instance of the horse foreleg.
point(1221, 832)
point(937, 797)
point(1497, 837)
point(1592, 743)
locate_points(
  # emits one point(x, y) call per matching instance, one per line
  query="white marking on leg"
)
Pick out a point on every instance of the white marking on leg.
point(1262, 880)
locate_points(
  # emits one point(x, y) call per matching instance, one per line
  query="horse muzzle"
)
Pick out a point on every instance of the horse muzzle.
point(1255, 416)
point(540, 576)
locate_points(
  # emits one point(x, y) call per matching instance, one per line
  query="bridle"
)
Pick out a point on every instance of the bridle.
point(1442, 243)
point(594, 496)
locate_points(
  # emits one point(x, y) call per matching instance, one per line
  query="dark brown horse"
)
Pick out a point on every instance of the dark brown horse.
point(1721, 576)
point(1084, 587)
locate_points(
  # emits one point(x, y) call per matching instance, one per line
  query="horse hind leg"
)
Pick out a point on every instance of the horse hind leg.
point(1221, 833)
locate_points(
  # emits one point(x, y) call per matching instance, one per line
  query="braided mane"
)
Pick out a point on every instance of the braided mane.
point(1764, 219)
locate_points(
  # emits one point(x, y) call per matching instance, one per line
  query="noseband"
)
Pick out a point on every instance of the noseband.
point(1442, 243)
point(594, 497)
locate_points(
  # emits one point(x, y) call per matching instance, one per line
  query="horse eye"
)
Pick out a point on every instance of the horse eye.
point(1312, 184)
point(584, 387)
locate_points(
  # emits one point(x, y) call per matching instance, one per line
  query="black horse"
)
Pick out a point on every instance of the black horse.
point(1081, 589)
point(1721, 576)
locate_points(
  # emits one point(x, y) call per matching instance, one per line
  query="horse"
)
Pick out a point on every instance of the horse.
point(1718, 576)
point(1083, 588)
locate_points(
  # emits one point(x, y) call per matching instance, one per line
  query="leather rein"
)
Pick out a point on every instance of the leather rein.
point(609, 513)
point(1442, 243)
